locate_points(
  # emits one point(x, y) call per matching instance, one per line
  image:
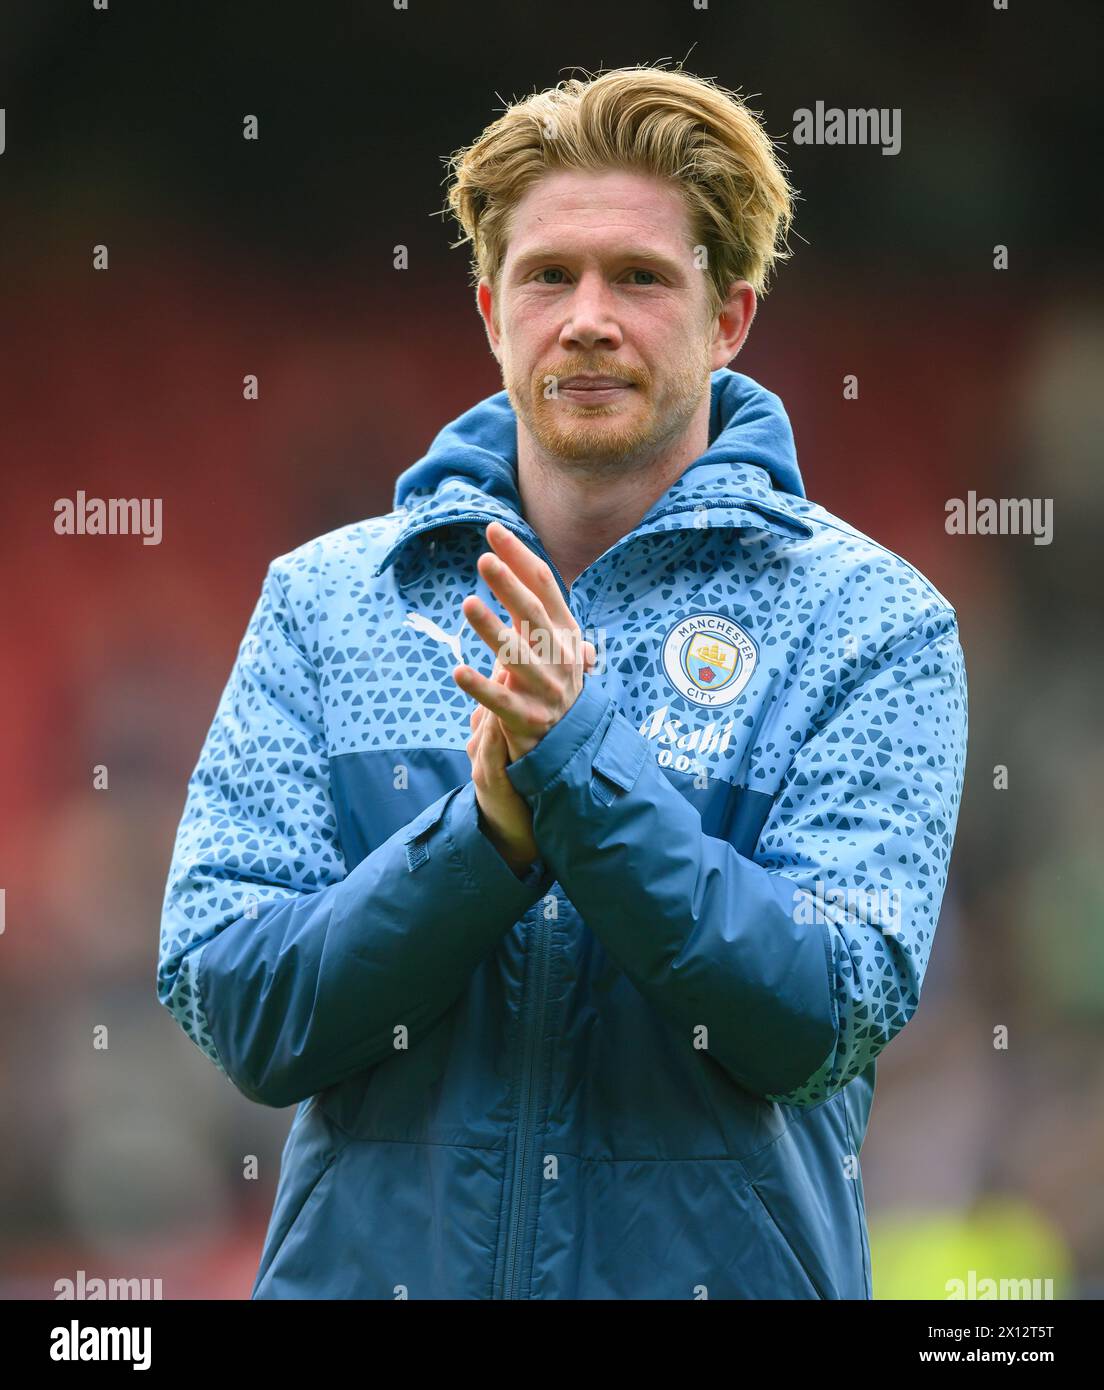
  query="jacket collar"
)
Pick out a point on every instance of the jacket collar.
point(747, 477)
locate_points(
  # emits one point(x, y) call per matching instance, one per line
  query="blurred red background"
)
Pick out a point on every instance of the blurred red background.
point(226, 260)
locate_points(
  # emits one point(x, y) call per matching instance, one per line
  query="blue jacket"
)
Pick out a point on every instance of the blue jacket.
point(646, 1070)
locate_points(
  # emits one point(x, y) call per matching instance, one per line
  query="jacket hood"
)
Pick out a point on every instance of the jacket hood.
point(748, 425)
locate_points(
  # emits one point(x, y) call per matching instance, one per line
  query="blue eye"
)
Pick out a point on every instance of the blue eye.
point(555, 270)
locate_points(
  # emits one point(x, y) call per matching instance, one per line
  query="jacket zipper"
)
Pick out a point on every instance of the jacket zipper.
point(530, 1083)
point(527, 1113)
point(530, 1088)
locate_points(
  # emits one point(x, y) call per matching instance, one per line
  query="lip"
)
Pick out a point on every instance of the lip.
point(594, 383)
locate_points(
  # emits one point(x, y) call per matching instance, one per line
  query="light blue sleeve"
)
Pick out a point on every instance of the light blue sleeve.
point(288, 971)
point(794, 968)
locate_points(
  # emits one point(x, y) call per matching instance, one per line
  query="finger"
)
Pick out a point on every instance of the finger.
point(517, 598)
point(492, 754)
point(479, 714)
point(511, 648)
point(569, 649)
point(531, 616)
point(533, 572)
point(498, 635)
point(510, 707)
point(494, 748)
point(499, 674)
point(497, 751)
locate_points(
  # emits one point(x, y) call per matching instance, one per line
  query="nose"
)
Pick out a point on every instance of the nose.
point(591, 321)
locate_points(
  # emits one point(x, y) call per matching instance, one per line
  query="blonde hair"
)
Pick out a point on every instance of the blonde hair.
point(670, 124)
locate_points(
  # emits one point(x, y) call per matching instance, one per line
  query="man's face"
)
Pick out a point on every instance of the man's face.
point(600, 279)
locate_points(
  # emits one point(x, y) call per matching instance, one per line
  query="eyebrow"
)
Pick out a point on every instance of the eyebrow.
point(635, 255)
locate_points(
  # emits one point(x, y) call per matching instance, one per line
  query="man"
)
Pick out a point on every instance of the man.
point(576, 953)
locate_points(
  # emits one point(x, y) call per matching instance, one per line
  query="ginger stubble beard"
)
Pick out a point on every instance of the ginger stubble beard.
point(586, 437)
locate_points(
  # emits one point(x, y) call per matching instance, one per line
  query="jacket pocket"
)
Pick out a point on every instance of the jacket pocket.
point(289, 1212)
point(781, 1235)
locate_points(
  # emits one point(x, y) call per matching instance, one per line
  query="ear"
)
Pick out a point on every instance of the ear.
point(485, 303)
point(733, 323)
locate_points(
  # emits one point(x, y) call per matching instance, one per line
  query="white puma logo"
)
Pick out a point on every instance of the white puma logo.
point(421, 623)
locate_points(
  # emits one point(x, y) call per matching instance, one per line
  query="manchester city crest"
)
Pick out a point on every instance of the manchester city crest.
point(708, 658)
